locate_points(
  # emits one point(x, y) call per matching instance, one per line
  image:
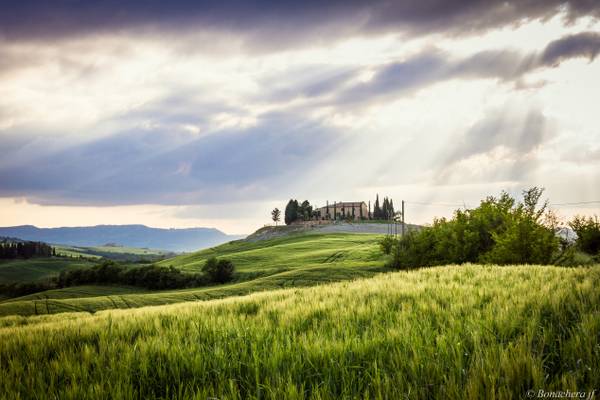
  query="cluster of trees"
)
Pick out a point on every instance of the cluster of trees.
point(588, 234)
point(149, 276)
point(499, 231)
point(218, 271)
point(385, 210)
point(295, 211)
point(25, 249)
point(152, 277)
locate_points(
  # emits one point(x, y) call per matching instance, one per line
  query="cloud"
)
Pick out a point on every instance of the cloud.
point(581, 154)
point(499, 147)
point(586, 44)
point(281, 22)
point(398, 78)
point(155, 167)
point(432, 66)
point(519, 133)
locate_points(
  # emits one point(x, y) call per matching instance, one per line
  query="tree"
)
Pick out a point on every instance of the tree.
point(499, 231)
point(24, 249)
point(385, 210)
point(588, 234)
point(218, 271)
point(525, 237)
point(291, 211)
point(275, 215)
point(376, 209)
point(305, 210)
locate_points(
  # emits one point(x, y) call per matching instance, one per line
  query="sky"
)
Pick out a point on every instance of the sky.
point(196, 113)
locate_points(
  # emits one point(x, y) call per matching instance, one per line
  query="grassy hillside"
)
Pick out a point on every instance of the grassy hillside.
point(37, 268)
point(119, 253)
point(447, 332)
point(80, 291)
point(296, 261)
point(290, 252)
point(111, 297)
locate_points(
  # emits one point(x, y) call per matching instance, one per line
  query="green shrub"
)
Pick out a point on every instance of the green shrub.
point(588, 234)
point(218, 271)
point(499, 231)
point(386, 244)
point(572, 257)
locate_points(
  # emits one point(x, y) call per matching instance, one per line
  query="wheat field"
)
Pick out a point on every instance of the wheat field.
point(447, 332)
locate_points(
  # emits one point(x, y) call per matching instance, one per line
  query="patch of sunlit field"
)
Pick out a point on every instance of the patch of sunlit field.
point(36, 269)
point(289, 252)
point(446, 332)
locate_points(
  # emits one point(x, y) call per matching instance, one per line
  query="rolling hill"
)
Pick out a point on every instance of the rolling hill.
point(291, 261)
point(35, 269)
point(140, 236)
point(117, 253)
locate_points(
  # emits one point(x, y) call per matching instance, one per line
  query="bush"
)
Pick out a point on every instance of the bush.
point(499, 231)
point(588, 234)
point(218, 271)
point(572, 257)
point(149, 276)
point(386, 244)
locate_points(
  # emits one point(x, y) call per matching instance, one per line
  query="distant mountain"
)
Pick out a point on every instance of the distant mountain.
point(189, 239)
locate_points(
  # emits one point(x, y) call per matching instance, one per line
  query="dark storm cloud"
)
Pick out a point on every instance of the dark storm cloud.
point(259, 20)
point(141, 167)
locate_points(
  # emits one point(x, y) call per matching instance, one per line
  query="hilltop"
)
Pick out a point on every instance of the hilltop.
point(271, 232)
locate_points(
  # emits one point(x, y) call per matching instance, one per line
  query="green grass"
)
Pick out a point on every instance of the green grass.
point(109, 297)
point(448, 332)
point(296, 261)
point(290, 252)
point(80, 291)
point(120, 253)
point(74, 252)
point(35, 269)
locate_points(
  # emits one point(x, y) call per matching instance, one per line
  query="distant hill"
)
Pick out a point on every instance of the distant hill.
point(141, 236)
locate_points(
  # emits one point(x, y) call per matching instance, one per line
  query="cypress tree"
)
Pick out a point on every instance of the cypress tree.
point(385, 208)
point(291, 212)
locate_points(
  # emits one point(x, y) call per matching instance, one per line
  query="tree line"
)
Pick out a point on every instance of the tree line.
point(499, 231)
point(384, 211)
point(304, 211)
point(25, 249)
point(153, 277)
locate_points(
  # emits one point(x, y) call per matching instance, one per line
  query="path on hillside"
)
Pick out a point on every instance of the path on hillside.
point(272, 232)
point(354, 228)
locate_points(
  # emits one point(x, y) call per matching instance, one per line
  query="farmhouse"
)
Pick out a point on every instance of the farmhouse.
point(343, 210)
